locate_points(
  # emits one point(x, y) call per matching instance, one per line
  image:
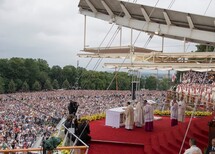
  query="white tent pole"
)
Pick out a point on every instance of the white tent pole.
point(120, 39)
point(85, 24)
point(162, 43)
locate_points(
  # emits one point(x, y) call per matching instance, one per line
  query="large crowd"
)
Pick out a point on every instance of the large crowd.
point(197, 77)
point(201, 85)
point(24, 116)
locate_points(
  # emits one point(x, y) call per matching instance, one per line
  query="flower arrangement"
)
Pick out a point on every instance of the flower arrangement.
point(162, 113)
point(187, 113)
point(97, 116)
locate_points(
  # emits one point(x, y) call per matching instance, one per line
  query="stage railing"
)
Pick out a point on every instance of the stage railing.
point(77, 150)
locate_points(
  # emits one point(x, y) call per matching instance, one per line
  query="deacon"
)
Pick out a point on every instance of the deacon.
point(129, 117)
point(139, 115)
point(148, 116)
point(174, 114)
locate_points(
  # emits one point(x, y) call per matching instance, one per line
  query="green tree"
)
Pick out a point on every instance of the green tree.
point(151, 83)
point(43, 65)
point(56, 73)
point(2, 89)
point(69, 73)
point(43, 76)
point(48, 85)
point(164, 84)
point(25, 86)
point(36, 86)
point(32, 71)
point(204, 48)
point(55, 84)
point(18, 83)
point(124, 81)
point(66, 84)
point(11, 87)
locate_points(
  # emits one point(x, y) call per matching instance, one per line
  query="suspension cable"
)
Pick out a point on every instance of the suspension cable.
point(117, 72)
point(171, 4)
point(145, 24)
point(208, 7)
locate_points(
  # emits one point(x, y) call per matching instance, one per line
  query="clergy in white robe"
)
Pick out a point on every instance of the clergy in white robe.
point(174, 114)
point(129, 117)
point(148, 116)
point(139, 115)
point(181, 110)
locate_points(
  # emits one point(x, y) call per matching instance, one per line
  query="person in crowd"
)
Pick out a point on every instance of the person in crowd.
point(83, 132)
point(73, 107)
point(181, 110)
point(172, 102)
point(148, 116)
point(193, 148)
point(4, 145)
point(174, 114)
point(139, 115)
point(211, 148)
point(129, 117)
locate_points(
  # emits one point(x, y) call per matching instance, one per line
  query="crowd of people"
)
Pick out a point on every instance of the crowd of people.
point(199, 88)
point(24, 116)
point(197, 77)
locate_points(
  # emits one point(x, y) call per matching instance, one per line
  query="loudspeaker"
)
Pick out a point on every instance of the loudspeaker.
point(134, 87)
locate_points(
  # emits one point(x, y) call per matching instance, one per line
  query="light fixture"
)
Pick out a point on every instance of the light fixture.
point(158, 30)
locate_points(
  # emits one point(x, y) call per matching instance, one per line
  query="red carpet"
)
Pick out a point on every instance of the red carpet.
point(164, 138)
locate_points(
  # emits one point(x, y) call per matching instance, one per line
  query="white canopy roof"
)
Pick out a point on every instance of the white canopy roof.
point(167, 23)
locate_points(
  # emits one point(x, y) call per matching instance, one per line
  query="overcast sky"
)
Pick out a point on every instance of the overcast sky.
point(53, 29)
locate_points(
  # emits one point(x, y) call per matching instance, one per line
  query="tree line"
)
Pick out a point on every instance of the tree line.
point(24, 75)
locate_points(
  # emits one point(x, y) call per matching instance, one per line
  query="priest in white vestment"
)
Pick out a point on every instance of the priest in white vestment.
point(139, 115)
point(129, 117)
point(181, 110)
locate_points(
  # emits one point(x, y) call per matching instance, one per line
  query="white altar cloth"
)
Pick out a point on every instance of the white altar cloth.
point(114, 117)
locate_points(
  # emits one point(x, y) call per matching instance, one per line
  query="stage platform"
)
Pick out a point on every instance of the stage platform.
point(114, 140)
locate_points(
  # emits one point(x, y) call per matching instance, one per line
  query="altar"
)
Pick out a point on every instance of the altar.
point(115, 117)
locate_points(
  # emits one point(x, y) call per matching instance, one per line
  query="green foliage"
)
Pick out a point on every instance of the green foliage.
point(48, 85)
point(56, 74)
point(164, 84)
point(36, 86)
point(18, 84)
point(2, 88)
point(19, 74)
point(25, 87)
point(69, 73)
point(66, 84)
point(204, 48)
point(124, 81)
point(55, 84)
point(151, 83)
point(11, 87)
